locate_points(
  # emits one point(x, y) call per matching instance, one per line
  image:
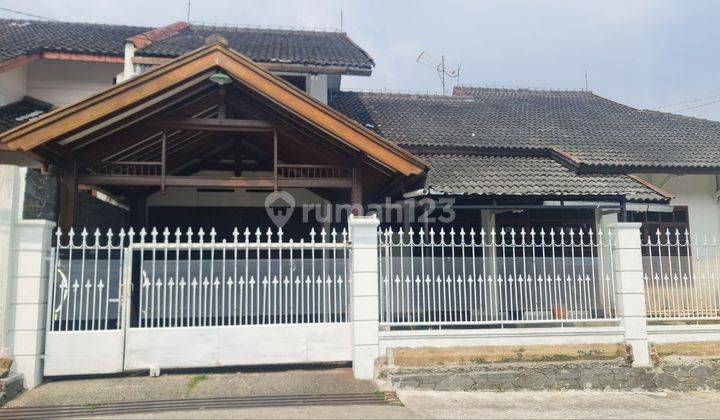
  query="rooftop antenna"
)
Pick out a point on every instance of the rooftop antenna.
point(586, 81)
point(341, 20)
point(188, 12)
point(439, 66)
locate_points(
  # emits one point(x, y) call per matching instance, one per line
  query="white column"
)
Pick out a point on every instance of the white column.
point(31, 251)
point(364, 266)
point(11, 181)
point(630, 289)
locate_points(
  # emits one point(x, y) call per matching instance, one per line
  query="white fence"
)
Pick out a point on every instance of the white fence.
point(466, 278)
point(86, 281)
point(190, 279)
point(682, 277)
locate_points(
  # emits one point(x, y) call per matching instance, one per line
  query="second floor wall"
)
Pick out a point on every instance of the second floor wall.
point(58, 82)
point(62, 82)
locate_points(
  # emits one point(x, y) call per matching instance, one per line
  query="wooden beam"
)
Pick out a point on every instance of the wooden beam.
point(68, 196)
point(196, 181)
point(213, 124)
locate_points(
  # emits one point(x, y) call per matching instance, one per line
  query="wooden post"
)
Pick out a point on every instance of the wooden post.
point(68, 196)
point(275, 160)
point(164, 161)
point(356, 196)
point(238, 157)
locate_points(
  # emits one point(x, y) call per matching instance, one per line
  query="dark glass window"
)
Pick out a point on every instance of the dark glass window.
point(298, 81)
point(654, 221)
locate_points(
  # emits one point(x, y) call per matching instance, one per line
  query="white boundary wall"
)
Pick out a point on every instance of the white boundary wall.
point(167, 348)
point(499, 337)
point(662, 334)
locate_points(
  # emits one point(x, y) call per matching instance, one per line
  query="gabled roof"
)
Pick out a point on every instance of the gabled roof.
point(594, 132)
point(526, 176)
point(20, 38)
point(317, 48)
point(129, 97)
point(22, 111)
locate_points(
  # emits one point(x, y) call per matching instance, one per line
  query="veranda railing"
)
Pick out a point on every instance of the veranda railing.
point(508, 277)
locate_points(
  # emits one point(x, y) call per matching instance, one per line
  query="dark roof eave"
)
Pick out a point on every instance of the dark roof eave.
point(586, 168)
point(274, 65)
point(432, 192)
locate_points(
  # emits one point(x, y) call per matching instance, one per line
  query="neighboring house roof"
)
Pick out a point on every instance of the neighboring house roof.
point(317, 48)
point(20, 38)
point(20, 112)
point(590, 130)
point(525, 175)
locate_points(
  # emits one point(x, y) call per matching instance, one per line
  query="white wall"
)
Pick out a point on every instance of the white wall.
point(13, 85)
point(191, 197)
point(239, 197)
point(65, 82)
point(12, 179)
point(698, 193)
point(317, 87)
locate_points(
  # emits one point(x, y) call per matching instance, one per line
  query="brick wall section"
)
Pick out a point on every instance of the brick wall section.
point(689, 375)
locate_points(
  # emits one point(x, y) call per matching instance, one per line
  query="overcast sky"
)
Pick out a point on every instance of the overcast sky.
point(646, 54)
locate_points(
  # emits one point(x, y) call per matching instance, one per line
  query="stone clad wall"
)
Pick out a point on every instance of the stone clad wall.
point(599, 375)
point(41, 202)
point(41, 196)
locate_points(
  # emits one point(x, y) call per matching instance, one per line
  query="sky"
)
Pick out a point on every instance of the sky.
point(646, 54)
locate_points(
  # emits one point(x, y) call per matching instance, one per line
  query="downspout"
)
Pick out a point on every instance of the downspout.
point(417, 193)
point(717, 187)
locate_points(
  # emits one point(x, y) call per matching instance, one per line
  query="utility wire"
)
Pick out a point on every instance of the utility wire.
point(689, 101)
point(698, 106)
point(28, 14)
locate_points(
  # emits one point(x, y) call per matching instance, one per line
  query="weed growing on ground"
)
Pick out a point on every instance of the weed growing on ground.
point(193, 382)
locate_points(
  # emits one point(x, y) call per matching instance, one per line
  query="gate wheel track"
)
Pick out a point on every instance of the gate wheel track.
point(196, 404)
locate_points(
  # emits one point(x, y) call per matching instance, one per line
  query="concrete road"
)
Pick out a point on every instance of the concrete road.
point(484, 405)
point(562, 404)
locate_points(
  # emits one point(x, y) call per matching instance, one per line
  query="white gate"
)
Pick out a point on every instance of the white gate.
point(176, 300)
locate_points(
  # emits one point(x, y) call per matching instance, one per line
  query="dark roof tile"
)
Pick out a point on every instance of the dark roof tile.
point(20, 112)
point(523, 176)
point(591, 129)
point(24, 37)
point(269, 45)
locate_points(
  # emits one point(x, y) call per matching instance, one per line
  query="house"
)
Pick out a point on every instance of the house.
point(182, 133)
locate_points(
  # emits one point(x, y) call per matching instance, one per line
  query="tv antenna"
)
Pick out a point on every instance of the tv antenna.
point(439, 65)
point(188, 12)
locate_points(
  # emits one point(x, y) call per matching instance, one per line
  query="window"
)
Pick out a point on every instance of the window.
point(652, 221)
point(673, 220)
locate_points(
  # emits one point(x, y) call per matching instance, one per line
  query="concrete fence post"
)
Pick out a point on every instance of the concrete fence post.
point(31, 251)
point(630, 289)
point(364, 304)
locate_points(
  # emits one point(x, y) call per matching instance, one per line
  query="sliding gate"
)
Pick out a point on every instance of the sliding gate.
point(131, 301)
